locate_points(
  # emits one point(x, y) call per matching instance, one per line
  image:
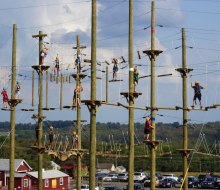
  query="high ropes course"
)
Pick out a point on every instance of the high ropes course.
point(58, 71)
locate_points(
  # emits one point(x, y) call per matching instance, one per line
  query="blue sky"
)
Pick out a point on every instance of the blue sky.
point(63, 20)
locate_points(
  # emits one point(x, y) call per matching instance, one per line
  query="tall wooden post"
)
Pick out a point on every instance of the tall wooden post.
point(185, 113)
point(92, 161)
point(131, 101)
point(152, 54)
point(13, 109)
point(78, 123)
point(40, 68)
point(153, 99)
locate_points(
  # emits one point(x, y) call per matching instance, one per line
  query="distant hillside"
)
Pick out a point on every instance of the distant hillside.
point(115, 135)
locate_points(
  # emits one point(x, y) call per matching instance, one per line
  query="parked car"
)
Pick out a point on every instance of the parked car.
point(208, 182)
point(159, 176)
point(173, 176)
point(193, 182)
point(86, 187)
point(110, 188)
point(100, 176)
point(201, 178)
point(217, 182)
point(111, 177)
point(137, 186)
point(168, 182)
point(139, 176)
point(180, 179)
point(123, 177)
point(148, 179)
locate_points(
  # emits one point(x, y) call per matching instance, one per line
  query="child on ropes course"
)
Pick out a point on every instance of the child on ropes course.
point(78, 64)
point(147, 129)
point(57, 65)
point(43, 54)
point(197, 93)
point(4, 93)
point(75, 140)
point(76, 96)
point(51, 135)
point(136, 77)
point(115, 67)
point(17, 90)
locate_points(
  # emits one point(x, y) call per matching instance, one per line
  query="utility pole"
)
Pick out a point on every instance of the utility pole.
point(13, 103)
point(152, 54)
point(131, 101)
point(92, 151)
point(40, 68)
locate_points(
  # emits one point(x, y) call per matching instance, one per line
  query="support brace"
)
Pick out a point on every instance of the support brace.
point(185, 152)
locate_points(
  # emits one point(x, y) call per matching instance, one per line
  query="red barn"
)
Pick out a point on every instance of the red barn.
point(52, 180)
point(21, 166)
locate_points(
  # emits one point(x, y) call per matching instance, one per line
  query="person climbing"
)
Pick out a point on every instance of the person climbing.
point(17, 90)
point(4, 93)
point(78, 64)
point(76, 96)
point(43, 54)
point(136, 77)
point(197, 93)
point(147, 129)
point(57, 65)
point(51, 135)
point(75, 140)
point(115, 67)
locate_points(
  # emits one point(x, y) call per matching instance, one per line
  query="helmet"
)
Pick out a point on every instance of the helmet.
point(148, 118)
point(4, 88)
point(196, 82)
point(74, 132)
point(51, 127)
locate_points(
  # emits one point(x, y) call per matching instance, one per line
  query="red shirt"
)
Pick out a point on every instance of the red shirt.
point(5, 96)
point(147, 124)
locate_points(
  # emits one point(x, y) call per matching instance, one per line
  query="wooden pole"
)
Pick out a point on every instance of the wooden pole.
point(92, 161)
point(131, 101)
point(13, 109)
point(153, 100)
point(78, 123)
point(185, 112)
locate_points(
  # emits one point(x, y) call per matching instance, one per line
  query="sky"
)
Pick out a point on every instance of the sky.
point(62, 20)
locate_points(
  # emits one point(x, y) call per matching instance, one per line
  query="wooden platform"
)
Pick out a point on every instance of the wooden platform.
point(92, 102)
point(153, 53)
point(39, 150)
point(48, 109)
point(40, 67)
point(27, 109)
point(35, 116)
point(115, 80)
point(131, 94)
point(14, 102)
point(6, 109)
point(69, 107)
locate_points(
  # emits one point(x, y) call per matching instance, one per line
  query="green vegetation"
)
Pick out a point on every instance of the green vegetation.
point(112, 139)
